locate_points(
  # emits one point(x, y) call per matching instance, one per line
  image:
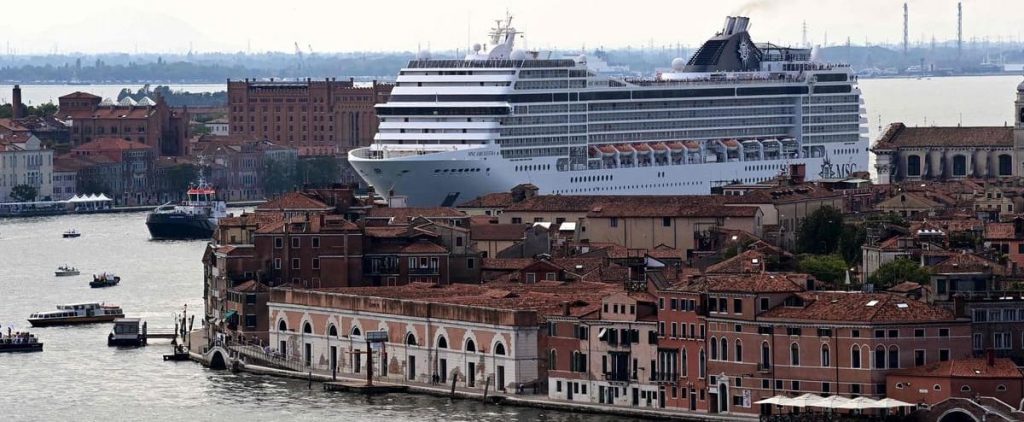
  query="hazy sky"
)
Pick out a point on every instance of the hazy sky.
point(330, 25)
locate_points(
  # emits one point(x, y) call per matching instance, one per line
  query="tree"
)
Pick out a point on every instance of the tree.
point(278, 176)
point(180, 176)
point(898, 271)
point(826, 268)
point(819, 232)
point(850, 241)
point(318, 171)
point(24, 193)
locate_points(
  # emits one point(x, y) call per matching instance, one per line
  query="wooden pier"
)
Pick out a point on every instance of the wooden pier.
point(361, 387)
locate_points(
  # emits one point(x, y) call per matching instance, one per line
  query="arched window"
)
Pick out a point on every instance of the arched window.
point(1001, 387)
point(552, 358)
point(714, 348)
point(684, 362)
point(499, 349)
point(282, 325)
point(470, 345)
point(959, 165)
point(794, 354)
point(724, 349)
point(739, 351)
point(826, 358)
point(965, 389)
point(913, 165)
point(880, 357)
point(894, 357)
point(702, 364)
point(937, 387)
point(1005, 165)
point(442, 343)
point(356, 332)
point(307, 328)
point(855, 357)
point(332, 331)
point(410, 339)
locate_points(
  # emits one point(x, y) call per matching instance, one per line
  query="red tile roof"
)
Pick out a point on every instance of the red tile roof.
point(491, 200)
point(905, 287)
point(899, 135)
point(505, 264)
point(967, 263)
point(293, 201)
point(106, 112)
point(405, 214)
point(967, 368)
point(746, 283)
point(1000, 231)
point(749, 261)
point(251, 286)
point(880, 308)
point(668, 206)
point(302, 224)
point(110, 144)
point(79, 95)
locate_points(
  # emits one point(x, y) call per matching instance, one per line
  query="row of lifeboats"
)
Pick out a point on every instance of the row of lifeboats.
point(674, 147)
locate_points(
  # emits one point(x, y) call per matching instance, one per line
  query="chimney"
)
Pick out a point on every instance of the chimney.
point(16, 102)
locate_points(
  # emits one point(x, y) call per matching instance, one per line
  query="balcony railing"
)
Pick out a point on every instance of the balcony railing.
point(383, 271)
point(764, 367)
point(664, 376)
point(616, 377)
point(423, 271)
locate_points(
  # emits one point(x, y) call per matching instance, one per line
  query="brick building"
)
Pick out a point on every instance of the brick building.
point(323, 117)
point(147, 122)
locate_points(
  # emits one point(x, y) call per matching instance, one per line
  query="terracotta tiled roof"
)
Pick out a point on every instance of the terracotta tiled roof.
point(491, 200)
point(899, 135)
point(79, 95)
point(967, 263)
point(505, 264)
point(302, 224)
point(405, 214)
point(859, 307)
point(966, 368)
point(1000, 231)
point(423, 246)
point(563, 203)
point(106, 112)
point(498, 231)
point(905, 287)
point(667, 206)
point(747, 283)
point(908, 200)
point(749, 261)
point(12, 125)
point(384, 232)
point(293, 201)
point(110, 144)
point(785, 194)
point(251, 286)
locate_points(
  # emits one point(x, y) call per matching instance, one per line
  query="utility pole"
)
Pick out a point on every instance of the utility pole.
point(906, 28)
point(959, 30)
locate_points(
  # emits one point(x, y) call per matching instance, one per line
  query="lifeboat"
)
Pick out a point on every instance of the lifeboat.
point(642, 148)
point(607, 150)
point(675, 146)
point(625, 149)
point(659, 148)
point(731, 143)
point(692, 145)
point(594, 152)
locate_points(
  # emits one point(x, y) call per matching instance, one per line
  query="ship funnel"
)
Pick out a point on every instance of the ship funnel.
point(730, 23)
point(742, 23)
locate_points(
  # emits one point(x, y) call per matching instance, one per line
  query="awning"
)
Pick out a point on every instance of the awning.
point(859, 403)
point(830, 402)
point(778, 400)
point(887, 403)
point(230, 314)
point(805, 400)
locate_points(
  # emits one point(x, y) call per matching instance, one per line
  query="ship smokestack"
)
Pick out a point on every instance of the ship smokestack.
point(730, 23)
point(742, 23)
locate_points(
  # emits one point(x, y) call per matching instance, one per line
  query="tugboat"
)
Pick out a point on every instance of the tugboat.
point(104, 280)
point(71, 234)
point(66, 271)
point(19, 342)
point(127, 332)
point(76, 313)
point(195, 218)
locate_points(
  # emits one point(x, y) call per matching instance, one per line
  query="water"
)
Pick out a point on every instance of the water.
point(39, 94)
point(78, 376)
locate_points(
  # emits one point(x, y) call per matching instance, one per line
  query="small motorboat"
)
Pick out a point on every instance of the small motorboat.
point(71, 234)
point(104, 280)
point(127, 332)
point(19, 342)
point(66, 271)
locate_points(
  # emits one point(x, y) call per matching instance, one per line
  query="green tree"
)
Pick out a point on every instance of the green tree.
point(318, 171)
point(278, 176)
point(819, 232)
point(43, 110)
point(850, 241)
point(24, 193)
point(180, 176)
point(826, 268)
point(898, 271)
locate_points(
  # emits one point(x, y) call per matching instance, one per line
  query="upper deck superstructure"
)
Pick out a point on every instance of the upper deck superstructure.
point(736, 111)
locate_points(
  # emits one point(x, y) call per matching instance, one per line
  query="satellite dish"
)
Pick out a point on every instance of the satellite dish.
point(678, 63)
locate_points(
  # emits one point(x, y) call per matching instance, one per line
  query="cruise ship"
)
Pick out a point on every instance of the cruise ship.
point(736, 111)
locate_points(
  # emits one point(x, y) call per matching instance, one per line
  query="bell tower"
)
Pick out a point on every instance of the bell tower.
point(1018, 131)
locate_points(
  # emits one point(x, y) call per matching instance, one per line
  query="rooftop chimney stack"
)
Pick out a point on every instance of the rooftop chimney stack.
point(16, 102)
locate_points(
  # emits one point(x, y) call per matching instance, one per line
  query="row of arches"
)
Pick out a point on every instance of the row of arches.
point(410, 338)
point(916, 166)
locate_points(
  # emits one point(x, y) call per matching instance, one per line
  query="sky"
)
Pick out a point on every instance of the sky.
point(103, 26)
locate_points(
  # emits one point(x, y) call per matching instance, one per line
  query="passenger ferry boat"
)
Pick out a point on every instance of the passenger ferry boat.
point(77, 313)
point(453, 130)
point(195, 218)
point(66, 271)
point(19, 342)
point(127, 332)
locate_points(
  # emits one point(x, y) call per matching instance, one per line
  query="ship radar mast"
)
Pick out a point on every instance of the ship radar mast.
point(503, 36)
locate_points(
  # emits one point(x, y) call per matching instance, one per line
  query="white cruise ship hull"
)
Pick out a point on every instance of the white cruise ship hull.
point(453, 177)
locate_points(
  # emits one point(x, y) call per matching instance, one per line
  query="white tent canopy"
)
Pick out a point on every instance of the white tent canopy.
point(830, 402)
point(89, 198)
point(805, 400)
point(833, 402)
